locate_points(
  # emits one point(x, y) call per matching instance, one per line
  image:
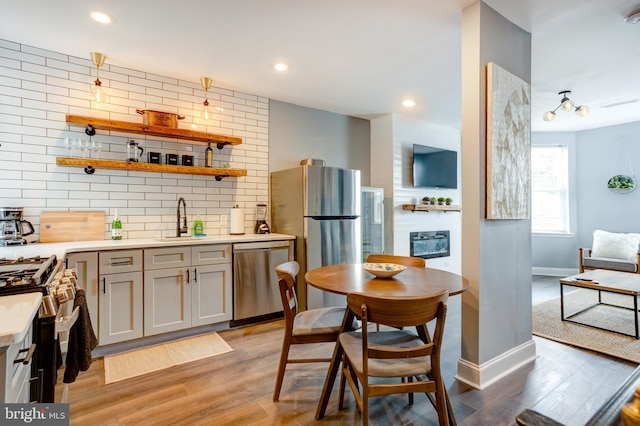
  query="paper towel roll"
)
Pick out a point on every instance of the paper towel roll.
point(237, 221)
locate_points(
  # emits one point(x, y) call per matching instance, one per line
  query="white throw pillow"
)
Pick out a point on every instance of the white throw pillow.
point(615, 245)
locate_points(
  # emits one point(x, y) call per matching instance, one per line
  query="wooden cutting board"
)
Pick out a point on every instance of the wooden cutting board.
point(57, 226)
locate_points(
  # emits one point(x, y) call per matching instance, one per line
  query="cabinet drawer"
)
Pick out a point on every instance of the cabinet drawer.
point(117, 261)
point(211, 254)
point(169, 257)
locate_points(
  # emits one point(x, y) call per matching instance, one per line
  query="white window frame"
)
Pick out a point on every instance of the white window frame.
point(541, 194)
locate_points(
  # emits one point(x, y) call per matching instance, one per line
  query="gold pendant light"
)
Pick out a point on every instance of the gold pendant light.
point(98, 94)
point(205, 110)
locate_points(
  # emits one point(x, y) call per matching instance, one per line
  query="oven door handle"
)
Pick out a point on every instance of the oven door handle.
point(27, 358)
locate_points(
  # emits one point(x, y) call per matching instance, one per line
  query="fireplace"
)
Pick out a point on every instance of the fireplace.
point(429, 244)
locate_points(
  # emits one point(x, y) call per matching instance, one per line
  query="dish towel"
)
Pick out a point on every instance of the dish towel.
point(82, 340)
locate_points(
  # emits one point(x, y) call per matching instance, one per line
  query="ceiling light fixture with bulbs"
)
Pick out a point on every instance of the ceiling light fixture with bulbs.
point(98, 94)
point(567, 105)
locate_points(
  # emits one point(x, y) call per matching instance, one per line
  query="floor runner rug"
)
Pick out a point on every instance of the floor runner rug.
point(145, 360)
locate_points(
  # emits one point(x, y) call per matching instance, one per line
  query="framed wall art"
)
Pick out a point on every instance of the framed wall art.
point(508, 186)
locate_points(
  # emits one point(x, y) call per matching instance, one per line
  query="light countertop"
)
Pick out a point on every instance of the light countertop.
point(17, 311)
point(62, 249)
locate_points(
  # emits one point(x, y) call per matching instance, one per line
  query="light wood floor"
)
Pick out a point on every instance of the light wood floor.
point(565, 383)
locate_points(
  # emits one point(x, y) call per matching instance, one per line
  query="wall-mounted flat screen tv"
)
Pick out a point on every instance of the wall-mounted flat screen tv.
point(434, 167)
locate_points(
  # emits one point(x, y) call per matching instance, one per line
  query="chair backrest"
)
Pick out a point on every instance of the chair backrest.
point(397, 311)
point(398, 260)
point(287, 273)
point(401, 311)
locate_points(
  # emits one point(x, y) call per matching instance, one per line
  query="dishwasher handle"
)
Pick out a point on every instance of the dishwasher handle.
point(266, 245)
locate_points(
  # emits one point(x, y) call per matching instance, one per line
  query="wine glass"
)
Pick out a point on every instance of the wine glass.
point(83, 147)
point(68, 144)
point(96, 146)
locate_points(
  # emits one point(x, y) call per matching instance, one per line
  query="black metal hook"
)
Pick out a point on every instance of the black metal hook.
point(90, 130)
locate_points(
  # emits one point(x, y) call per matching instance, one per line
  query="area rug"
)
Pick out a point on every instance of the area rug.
point(137, 362)
point(547, 324)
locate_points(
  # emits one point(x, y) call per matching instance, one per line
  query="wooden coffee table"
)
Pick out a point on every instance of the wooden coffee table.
point(624, 283)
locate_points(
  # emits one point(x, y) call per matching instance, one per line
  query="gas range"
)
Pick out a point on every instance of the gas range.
point(23, 275)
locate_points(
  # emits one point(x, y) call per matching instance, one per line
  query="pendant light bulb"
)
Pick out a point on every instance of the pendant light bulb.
point(205, 110)
point(549, 116)
point(98, 94)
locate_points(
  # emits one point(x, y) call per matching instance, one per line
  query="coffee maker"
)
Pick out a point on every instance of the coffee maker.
point(261, 220)
point(12, 227)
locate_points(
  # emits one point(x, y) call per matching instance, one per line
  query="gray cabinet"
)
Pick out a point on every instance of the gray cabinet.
point(186, 286)
point(87, 266)
point(121, 296)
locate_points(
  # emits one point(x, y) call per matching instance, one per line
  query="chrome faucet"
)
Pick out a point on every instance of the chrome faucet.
point(182, 229)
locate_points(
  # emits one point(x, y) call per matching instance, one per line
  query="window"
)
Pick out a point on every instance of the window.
point(549, 189)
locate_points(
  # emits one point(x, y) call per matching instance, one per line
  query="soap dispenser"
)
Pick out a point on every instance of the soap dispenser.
point(198, 226)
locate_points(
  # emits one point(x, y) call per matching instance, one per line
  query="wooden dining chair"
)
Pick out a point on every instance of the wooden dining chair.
point(310, 326)
point(397, 353)
point(398, 260)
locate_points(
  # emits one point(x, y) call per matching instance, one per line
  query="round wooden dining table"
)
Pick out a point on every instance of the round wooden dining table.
point(414, 281)
point(349, 278)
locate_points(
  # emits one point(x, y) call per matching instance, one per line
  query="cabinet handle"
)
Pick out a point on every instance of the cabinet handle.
point(104, 285)
point(123, 263)
point(195, 275)
point(27, 358)
point(188, 276)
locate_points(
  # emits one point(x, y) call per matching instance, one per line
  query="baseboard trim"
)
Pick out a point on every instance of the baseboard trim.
point(554, 272)
point(491, 371)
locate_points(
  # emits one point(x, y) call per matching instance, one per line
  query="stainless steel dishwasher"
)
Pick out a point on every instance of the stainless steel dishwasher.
point(255, 284)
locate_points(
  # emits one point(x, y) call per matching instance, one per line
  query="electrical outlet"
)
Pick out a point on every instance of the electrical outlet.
point(223, 220)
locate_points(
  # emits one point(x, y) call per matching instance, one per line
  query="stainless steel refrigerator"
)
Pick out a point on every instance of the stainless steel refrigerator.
point(321, 207)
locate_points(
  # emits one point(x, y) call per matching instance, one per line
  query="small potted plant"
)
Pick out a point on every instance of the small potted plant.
point(433, 200)
point(448, 201)
point(440, 200)
point(425, 200)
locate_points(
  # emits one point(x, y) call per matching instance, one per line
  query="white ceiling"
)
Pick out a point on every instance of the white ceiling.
point(356, 57)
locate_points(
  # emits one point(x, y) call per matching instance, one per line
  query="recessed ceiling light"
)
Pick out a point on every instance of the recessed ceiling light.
point(409, 103)
point(101, 17)
point(281, 67)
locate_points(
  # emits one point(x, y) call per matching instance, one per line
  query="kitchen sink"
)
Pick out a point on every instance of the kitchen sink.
point(172, 239)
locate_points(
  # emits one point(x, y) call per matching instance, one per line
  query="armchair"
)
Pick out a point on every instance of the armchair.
point(612, 251)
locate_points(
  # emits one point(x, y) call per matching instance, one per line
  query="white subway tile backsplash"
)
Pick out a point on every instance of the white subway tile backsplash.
point(65, 65)
point(39, 87)
point(21, 56)
point(9, 100)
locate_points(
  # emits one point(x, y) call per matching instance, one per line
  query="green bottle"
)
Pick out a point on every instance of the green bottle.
point(116, 227)
point(198, 226)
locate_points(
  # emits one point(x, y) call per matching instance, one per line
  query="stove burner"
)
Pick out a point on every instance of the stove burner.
point(29, 272)
point(22, 260)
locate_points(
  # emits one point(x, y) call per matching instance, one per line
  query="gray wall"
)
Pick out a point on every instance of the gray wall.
point(598, 207)
point(593, 206)
point(297, 132)
point(496, 256)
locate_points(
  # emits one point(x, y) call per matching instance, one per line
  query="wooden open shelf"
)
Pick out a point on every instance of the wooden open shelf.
point(90, 165)
point(125, 126)
point(429, 207)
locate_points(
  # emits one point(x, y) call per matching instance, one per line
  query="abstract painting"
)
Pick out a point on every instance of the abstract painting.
point(508, 145)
